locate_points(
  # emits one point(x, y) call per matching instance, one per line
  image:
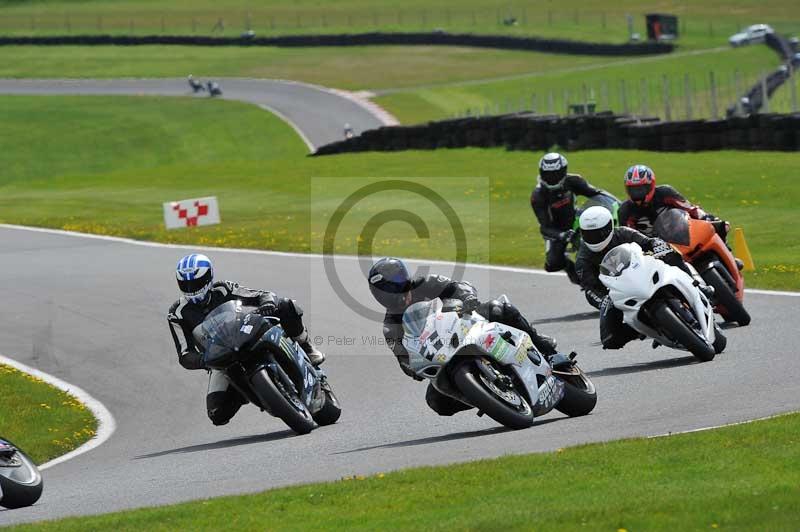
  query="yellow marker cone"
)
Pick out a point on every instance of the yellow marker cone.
point(742, 252)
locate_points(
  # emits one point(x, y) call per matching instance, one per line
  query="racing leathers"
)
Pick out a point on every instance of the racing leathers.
point(642, 217)
point(613, 332)
point(433, 286)
point(222, 400)
point(555, 211)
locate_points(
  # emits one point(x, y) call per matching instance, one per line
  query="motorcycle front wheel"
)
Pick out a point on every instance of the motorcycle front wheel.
point(580, 396)
point(507, 407)
point(282, 403)
point(20, 481)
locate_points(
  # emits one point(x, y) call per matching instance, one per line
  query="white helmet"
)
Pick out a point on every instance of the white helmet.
point(597, 228)
point(195, 275)
point(552, 170)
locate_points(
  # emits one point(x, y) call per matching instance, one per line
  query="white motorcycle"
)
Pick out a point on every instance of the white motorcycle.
point(661, 302)
point(492, 367)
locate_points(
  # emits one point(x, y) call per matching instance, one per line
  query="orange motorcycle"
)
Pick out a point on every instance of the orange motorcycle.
point(703, 248)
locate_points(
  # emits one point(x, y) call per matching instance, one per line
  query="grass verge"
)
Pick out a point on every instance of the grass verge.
point(44, 421)
point(106, 164)
point(702, 24)
point(623, 85)
point(744, 477)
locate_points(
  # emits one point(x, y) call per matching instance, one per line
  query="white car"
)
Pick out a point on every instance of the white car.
point(753, 34)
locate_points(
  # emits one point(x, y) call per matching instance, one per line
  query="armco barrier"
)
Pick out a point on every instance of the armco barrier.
point(524, 131)
point(559, 46)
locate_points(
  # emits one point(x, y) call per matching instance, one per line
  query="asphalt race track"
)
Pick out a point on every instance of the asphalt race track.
point(91, 311)
point(319, 113)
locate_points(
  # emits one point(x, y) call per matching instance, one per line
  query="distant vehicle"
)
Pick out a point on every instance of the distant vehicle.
point(753, 34)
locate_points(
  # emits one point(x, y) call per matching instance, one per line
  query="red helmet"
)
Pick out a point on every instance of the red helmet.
point(640, 183)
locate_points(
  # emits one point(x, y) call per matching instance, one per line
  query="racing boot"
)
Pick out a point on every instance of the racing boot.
point(315, 356)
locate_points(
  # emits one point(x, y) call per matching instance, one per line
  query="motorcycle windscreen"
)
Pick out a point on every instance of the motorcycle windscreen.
point(222, 331)
point(616, 261)
point(672, 225)
point(416, 316)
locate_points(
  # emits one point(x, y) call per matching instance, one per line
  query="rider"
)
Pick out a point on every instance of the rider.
point(553, 202)
point(599, 237)
point(393, 287)
point(201, 295)
point(646, 201)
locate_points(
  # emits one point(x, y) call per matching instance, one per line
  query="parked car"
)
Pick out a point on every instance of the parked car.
point(753, 34)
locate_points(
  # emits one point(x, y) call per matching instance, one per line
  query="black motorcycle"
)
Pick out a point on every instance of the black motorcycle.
point(266, 366)
point(20, 479)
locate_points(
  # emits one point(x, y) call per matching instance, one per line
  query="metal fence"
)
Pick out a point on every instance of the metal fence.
point(684, 97)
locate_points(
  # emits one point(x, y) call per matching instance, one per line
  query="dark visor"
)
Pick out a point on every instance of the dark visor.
point(638, 192)
point(193, 285)
point(595, 236)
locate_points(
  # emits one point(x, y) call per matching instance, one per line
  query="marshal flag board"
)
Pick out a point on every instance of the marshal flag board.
point(191, 212)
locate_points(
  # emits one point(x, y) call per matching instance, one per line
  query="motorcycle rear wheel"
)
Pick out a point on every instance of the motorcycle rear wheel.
point(682, 332)
point(22, 484)
point(468, 381)
point(725, 297)
point(291, 411)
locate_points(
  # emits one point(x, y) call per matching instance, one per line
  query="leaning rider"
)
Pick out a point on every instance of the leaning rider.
point(646, 201)
point(393, 287)
point(599, 237)
point(553, 202)
point(199, 296)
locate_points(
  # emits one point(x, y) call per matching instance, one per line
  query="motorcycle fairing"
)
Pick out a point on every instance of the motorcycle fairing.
point(635, 283)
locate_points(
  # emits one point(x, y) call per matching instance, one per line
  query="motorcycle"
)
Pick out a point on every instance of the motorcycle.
point(661, 301)
point(573, 236)
point(214, 89)
point(492, 367)
point(266, 366)
point(703, 248)
point(20, 480)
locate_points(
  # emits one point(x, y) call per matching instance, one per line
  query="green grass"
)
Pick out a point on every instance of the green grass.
point(43, 420)
point(643, 77)
point(364, 67)
point(744, 477)
point(705, 24)
point(106, 164)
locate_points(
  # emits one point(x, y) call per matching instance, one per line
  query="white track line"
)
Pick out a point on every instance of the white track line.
point(294, 126)
point(703, 429)
point(105, 421)
point(123, 240)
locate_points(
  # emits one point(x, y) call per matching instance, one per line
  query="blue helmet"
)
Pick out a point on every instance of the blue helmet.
point(389, 281)
point(195, 275)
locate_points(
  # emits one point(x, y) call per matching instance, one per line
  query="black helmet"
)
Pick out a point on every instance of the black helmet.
point(389, 281)
point(552, 170)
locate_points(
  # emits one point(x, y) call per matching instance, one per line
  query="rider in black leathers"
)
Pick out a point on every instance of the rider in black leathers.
point(392, 286)
point(553, 203)
point(223, 401)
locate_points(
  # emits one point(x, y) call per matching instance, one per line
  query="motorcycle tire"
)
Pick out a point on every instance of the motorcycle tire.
point(330, 411)
point(682, 332)
point(293, 413)
point(725, 297)
point(467, 380)
point(21, 485)
point(580, 396)
point(720, 341)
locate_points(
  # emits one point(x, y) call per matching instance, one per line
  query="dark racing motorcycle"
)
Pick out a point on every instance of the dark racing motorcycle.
point(266, 366)
point(20, 479)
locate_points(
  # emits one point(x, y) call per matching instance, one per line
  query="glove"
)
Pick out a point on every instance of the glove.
point(710, 218)
point(661, 249)
point(470, 304)
point(565, 236)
